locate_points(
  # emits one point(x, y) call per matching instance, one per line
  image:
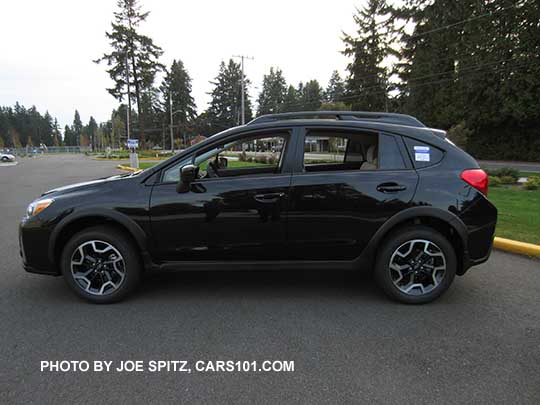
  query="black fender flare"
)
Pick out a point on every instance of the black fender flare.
point(123, 220)
point(418, 212)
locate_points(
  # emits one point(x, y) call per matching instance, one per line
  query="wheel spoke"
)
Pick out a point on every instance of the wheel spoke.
point(92, 273)
point(417, 267)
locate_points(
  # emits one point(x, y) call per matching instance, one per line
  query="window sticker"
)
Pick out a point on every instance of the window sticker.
point(421, 153)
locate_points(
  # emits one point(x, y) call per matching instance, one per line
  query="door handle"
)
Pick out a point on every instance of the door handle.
point(390, 187)
point(268, 198)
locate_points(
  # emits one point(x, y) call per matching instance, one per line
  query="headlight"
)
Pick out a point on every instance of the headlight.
point(37, 206)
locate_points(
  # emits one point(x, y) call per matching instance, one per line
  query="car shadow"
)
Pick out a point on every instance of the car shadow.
point(307, 284)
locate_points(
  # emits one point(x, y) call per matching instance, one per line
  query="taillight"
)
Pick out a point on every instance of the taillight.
point(476, 178)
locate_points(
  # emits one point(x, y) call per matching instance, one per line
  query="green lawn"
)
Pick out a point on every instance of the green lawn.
point(519, 213)
point(146, 165)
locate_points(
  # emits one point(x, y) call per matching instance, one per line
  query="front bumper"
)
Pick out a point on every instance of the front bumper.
point(34, 238)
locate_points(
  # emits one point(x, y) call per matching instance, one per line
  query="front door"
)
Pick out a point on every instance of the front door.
point(235, 210)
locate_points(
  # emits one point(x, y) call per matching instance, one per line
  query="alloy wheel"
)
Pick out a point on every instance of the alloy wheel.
point(417, 267)
point(98, 267)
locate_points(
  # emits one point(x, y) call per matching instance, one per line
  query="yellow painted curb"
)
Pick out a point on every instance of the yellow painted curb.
point(514, 246)
point(127, 168)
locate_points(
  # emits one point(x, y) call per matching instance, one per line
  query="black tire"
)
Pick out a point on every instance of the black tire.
point(121, 242)
point(400, 237)
point(5, 159)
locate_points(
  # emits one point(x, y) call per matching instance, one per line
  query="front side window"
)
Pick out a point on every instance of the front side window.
point(251, 155)
point(172, 174)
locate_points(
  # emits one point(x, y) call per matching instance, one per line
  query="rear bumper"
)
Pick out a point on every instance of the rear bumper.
point(479, 247)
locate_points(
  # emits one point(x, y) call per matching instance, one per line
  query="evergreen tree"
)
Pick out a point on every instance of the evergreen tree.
point(471, 67)
point(336, 88)
point(151, 110)
point(91, 132)
point(428, 59)
point(118, 127)
point(19, 125)
point(291, 102)
point(225, 107)
point(77, 128)
point(68, 136)
point(176, 85)
point(368, 78)
point(310, 95)
point(133, 56)
point(273, 93)
point(57, 138)
point(46, 130)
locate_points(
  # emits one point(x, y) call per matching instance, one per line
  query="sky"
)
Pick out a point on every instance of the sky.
point(48, 46)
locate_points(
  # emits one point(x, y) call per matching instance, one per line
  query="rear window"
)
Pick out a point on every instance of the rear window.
point(423, 154)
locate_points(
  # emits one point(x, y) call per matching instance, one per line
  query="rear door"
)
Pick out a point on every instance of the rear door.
point(347, 184)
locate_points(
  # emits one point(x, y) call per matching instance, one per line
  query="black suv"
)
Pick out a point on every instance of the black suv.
point(309, 190)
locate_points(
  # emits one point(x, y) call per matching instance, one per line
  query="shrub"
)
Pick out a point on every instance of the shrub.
point(508, 180)
point(260, 159)
point(494, 181)
point(460, 134)
point(272, 159)
point(505, 172)
point(533, 183)
point(242, 157)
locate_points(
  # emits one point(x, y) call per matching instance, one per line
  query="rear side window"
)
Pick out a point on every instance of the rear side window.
point(337, 151)
point(329, 150)
point(423, 154)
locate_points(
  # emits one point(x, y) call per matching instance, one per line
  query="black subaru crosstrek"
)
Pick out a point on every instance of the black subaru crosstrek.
point(310, 190)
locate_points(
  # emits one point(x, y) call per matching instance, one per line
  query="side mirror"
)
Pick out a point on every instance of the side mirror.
point(223, 163)
point(188, 174)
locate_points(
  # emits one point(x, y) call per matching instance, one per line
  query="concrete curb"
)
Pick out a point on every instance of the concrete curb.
point(128, 169)
point(513, 246)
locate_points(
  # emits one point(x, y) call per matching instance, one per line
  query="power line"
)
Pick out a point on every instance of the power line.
point(444, 27)
point(379, 90)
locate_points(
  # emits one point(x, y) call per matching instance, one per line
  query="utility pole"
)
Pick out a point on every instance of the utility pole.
point(243, 112)
point(133, 157)
point(128, 112)
point(171, 121)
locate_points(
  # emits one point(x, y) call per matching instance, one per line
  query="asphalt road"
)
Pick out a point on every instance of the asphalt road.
point(523, 166)
point(480, 343)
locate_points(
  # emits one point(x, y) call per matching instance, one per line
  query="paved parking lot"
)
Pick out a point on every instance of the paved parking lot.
point(479, 343)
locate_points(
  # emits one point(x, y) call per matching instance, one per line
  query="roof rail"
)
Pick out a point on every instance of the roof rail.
point(389, 118)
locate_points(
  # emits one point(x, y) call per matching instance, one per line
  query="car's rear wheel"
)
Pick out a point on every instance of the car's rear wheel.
point(415, 265)
point(5, 159)
point(101, 264)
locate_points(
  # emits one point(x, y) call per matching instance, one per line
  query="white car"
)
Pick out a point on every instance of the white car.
point(6, 157)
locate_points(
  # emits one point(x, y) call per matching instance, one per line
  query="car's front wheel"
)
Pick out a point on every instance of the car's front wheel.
point(415, 265)
point(5, 159)
point(101, 264)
